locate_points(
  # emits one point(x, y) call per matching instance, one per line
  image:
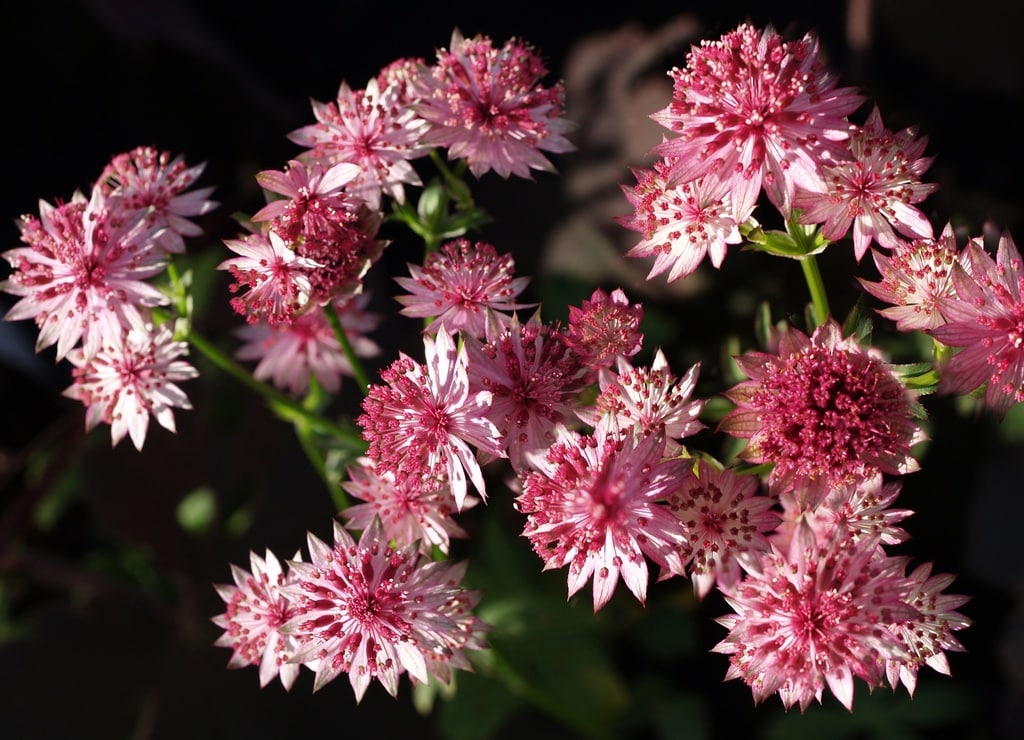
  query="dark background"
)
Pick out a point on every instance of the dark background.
point(105, 600)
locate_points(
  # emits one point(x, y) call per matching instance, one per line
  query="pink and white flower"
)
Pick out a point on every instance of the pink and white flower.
point(604, 328)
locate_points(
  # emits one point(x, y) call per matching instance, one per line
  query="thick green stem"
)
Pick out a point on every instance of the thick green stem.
point(358, 371)
point(816, 285)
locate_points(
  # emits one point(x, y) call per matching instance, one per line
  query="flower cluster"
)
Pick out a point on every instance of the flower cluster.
point(592, 443)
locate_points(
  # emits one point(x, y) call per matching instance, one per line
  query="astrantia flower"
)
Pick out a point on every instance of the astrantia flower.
point(148, 179)
point(928, 635)
point(289, 354)
point(272, 279)
point(458, 284)
point(873, 190)
point(917, 278)
point(83, 275)
point(426, 423)
point(986, 319)
point(408, 513)
point(726, 521)
point(373, 128)
point(650, 398)
point(486, 105)
point(533, 379)
point(824, 411)
point(596, 505)
point(816, 615)
point(604, 328)
point(375, 613)
point(679, 224)
point(255, 610)
point(751, 109)
point(130, 379)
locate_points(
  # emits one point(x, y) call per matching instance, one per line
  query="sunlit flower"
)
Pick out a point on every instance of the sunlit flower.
point(374, 128)
point(290, 354)
point(680, 224)
point(726, 521)
point(407, 513)
point(272, 280)
point(824, 411)
point(596, 505)
point(374, 612)
point(82, 276)
point(929, 635)
point(650, 398)
point(426, 423)
point(130, 379)
point(986, 319)
point(458, 284)
point(873, 190)
point(813, 616)
point(148, 179)
point(533, 379)
point(751, 109)
point(255, 610)
point(917, 277)
point(604, 328)
point(486, 105)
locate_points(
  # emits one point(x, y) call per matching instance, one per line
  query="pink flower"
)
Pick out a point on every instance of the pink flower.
point(408, 514)
point(373, 128)
point(533, 380)
point(651, 399)
point(873, 190)
point(824, 411)
point(256, 610)
point(458, 284)
point(816, 615)
point(917, 278)
point(680, 224)
point(375, 612)
point(725, 520)
point(486, 105)
point(752, 109)
point(82, 276)
point(130, 379)
point(986, 319)
point(273, 280)
point(290, 354)
point(425, 422)
point(595, 504)
point(928, 635)
point(604, 328)
point(148, 179)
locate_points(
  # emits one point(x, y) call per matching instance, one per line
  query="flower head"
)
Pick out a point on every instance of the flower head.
point(130, 379)
point(373, 128)
point(986, 319)
point(150, 180)
point(726, 522)
point(873, 190)
point(751, 109)
point(917, 278)
point(533, 380)
point(458, 284)
point(824, 411)
point(375, 612)
point(680, 224)
point(425, 424)
point(82, 276)
point(596, 505)
point(604, 328)
point(255, 610)
point(816, 615)
point(485, 104)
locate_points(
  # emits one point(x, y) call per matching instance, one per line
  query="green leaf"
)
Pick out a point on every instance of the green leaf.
point(197, 511)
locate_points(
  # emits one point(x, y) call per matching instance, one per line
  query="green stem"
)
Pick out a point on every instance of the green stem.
point(358, 371)
point(817, 288)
